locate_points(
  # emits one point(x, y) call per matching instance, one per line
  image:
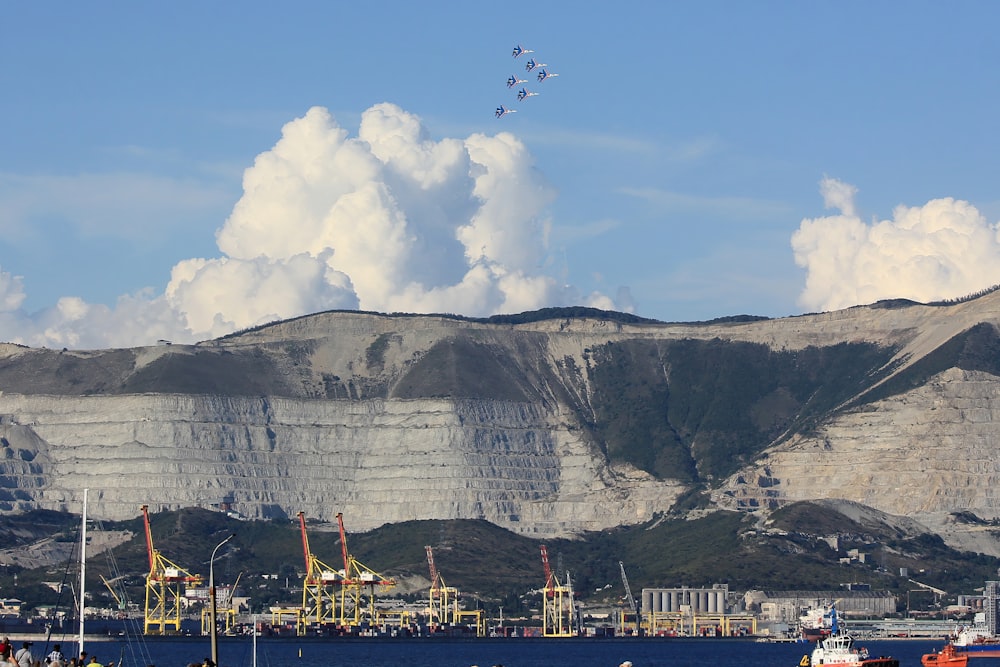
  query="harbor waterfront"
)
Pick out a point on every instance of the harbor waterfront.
point(533, 652)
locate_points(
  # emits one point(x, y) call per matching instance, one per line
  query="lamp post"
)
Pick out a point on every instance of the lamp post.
point(211, 598)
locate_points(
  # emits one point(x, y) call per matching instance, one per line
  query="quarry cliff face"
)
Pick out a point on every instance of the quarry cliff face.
point(547, 425)
point(376, 460)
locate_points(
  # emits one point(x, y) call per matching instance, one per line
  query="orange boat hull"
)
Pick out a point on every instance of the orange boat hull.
point(952, 656)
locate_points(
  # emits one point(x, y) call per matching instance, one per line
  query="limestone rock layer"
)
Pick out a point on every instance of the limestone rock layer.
point(394, 418)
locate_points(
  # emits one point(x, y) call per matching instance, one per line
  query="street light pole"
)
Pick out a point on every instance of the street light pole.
point(211, 597)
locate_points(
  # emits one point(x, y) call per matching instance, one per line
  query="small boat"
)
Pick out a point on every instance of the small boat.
point(949, 656)
point(975, 642)
point(838, 650)
point(957, 655)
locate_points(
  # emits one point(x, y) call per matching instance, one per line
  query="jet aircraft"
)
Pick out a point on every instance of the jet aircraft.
point(513, 81)
point(531, 64)
point(524, 94)
point(544, 74)
point(503, 111)
point(518, 51)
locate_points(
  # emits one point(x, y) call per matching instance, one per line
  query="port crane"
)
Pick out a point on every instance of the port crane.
point(227, 608)
point(441, 597)
point(111, 589)
point(557, 602)
point(163, 588)
point(319, 588)
point(633, 607)
point(356, 578)
point(444, 607)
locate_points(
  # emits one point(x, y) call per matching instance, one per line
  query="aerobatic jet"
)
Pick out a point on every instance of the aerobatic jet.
point(518, 51)
point(531, 64)
point(524, 94)
point(503, 111)
point(544, 74)
point(513, 81)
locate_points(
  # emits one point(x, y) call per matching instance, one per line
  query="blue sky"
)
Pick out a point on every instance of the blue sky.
point(691, 161)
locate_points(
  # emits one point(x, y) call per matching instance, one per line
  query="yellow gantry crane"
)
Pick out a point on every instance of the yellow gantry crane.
point(357, 577)
point(444, 607)
point(163, 588)
point(319, 593)
point(118, 599)
point(557, 603)
point(227, 608)
point(441, 597)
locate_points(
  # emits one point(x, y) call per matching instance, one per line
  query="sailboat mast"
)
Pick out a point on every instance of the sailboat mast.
point(83, 567)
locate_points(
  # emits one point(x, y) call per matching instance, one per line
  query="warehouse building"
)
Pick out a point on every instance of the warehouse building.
point(788, 606)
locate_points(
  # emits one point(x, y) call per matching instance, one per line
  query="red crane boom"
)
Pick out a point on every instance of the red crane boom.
point(305, 540)
point(550, 585)
point(343, 546)
point(149, 539)
point(435, 583)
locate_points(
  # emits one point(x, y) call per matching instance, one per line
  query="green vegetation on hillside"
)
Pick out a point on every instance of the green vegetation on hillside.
point(698, 410)
point(497, 567)
point(223, 373)
point(541, 315)
point(462, 368)
point(566, 312)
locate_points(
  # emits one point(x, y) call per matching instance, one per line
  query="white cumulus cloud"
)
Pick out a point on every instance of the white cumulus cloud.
point(942, 250)
point(389, 220)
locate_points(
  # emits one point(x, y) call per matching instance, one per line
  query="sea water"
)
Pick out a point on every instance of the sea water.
point(520, 652)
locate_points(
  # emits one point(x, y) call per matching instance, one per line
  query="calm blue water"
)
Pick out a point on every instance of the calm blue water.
point(533, 652)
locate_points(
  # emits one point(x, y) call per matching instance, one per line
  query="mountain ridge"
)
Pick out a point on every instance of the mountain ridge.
point(547, 425)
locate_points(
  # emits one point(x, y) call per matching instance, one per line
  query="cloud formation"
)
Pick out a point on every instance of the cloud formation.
point(390, 220)
point(942, 250)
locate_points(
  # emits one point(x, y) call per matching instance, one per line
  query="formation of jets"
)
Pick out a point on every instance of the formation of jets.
point(513, 81)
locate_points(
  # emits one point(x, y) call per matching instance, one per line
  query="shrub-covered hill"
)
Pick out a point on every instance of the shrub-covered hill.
point(794, 551)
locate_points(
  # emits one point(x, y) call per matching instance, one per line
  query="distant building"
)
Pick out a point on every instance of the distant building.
point(992, 595)
point(972, 602)
point(788, 605)
point(712, 600)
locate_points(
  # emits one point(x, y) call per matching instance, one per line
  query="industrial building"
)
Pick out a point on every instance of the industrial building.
point(788, 606)
point(694, 611)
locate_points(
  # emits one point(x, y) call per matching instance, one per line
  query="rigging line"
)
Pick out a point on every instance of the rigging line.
point(62, 588)
point(135, 641)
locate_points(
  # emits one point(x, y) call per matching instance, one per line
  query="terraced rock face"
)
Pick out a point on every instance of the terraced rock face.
point(376, 460)
point(924, 454)
point(547, 426)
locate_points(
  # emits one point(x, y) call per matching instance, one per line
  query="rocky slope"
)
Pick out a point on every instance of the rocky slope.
point(547, 425)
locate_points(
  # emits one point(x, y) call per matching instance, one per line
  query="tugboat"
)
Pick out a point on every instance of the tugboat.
point(978, 643)
point(838, 650)
point(958, 655)
point(975, 642)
